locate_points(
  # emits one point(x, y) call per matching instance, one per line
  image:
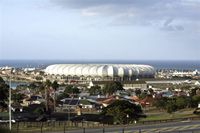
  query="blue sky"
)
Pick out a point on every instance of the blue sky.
point(100, 29)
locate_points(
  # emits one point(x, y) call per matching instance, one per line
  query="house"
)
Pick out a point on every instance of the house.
point(6, 72)
point(93, 118)
point(157, 96)
point(197, 83)
point(108, 102)
point(40, 72)
point(32, 107)
point(16, 107)
point(96, 96)
point(147, 102)
point(100, 100)
point(70, 103)
point(39, 101)
point(27, 101)
point(85, 104)
point(59, 103)
point(34, 99)
point(51, 90)
point(134, 99)
point(26, 116)
point(182, 94)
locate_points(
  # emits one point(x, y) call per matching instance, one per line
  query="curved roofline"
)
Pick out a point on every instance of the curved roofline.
point(113, 70)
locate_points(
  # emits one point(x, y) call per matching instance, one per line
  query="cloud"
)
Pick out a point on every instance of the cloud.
point(179, 27)
point(168, 21)
point(80, 4)
point(138, 12)
point(168, 26)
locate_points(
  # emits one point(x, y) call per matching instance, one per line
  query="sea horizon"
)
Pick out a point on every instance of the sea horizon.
point(158, 64)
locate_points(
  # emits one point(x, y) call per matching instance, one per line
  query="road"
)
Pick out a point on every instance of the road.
point(175, 127)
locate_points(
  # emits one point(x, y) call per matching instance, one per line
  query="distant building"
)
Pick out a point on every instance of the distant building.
point(99, 72)
point(126, 84)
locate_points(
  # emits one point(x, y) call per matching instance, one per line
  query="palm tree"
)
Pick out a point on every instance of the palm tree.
point(47, 85)
point(55, 85)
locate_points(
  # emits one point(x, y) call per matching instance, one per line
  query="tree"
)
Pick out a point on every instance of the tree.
point(41, 87)
point(72, 89)
point(171, 89)
point(120, 109)
point(17, 96)
point(171, 107)
point(112, 87)
point(38, 78)
point(151, 90)
point(2, 81)
point(75, 90)
point(193, 92)
point(3, 90)
point(197, 88)
point(95, 90)
point(69, 89)
point(62, 96)
point(144, 95)
point(32, 85)
point(47, 85)
point(160, 103)
point(180, 103)
point(196, 100)
point(138, 92)
point(21, 87)
point(55, 85)
point(190, 103)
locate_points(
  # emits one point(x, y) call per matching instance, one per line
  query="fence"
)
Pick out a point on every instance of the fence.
point(88, 124)
point(55, 124)
point(67, 124)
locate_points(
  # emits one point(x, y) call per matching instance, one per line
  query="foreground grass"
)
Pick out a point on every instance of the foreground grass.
point(168, 116)
point(5, 130)
point(4, 114)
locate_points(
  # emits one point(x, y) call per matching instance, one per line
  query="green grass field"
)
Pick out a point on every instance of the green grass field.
point(168, 116)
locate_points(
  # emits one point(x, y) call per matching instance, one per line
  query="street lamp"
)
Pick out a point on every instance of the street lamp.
point(10, 126)
point(69, 114)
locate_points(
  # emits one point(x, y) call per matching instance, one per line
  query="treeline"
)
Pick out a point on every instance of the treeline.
point(175, 103)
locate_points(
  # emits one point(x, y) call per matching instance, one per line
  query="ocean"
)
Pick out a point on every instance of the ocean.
point(158, 64)
point(15, 84)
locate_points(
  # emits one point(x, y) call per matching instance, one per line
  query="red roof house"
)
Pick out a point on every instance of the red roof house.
point(147, 102)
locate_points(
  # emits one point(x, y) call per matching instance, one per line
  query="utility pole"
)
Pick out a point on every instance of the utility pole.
point(69, 115)
point(10, 126)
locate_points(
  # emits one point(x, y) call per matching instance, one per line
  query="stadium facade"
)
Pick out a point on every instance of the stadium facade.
point(99, 72)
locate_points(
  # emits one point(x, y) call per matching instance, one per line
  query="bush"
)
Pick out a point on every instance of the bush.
point(39, 111)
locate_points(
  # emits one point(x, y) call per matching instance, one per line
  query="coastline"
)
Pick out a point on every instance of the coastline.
point(158, 64)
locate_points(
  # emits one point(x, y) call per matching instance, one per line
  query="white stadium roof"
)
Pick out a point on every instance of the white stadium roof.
point(101, 70)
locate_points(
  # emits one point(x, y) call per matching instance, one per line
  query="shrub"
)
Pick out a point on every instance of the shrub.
point(39, 111)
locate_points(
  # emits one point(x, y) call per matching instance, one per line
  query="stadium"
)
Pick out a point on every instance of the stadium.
point(99, 72)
